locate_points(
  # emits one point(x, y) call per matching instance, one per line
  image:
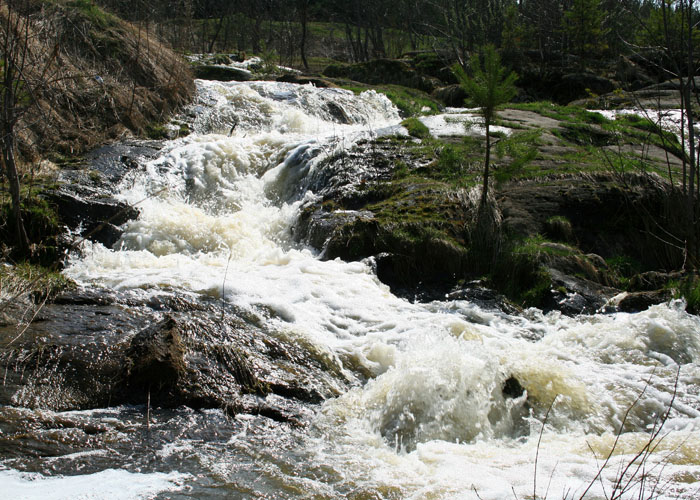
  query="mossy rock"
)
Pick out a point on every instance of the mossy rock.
point(383, 71)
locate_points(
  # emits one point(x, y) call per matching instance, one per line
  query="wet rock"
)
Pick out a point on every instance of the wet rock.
point(573, 295)
point(97, 219)
point(605, 219)
point(337, 112)
point(641, 301)
point(114, 161)
point(512, 388)
point(485, 298)
point(156, 359)
point(222, 73)
point(305, 80)
point(316, 227)
point(91, 349)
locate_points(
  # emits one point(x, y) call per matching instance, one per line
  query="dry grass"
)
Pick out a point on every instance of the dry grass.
point(91, 77)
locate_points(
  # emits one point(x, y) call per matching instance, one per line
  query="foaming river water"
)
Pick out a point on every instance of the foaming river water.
point(426, 415)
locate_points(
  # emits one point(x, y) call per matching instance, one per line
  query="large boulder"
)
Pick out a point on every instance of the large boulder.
point(222, 73)
point(383, 71)
point(94, 348)
point(452, 95)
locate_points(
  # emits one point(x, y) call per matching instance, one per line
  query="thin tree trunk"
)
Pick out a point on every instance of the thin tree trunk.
point(10, 168)
point(302, 43)
point(691, 141)
point(487, 161)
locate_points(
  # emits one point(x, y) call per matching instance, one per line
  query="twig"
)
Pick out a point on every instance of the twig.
point(148, 409)
point(223, 285)
point(537, 453)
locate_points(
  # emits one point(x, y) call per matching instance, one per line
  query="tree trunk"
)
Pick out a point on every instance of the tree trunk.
point(10, 169)
point(302, 43)
point(487, 161)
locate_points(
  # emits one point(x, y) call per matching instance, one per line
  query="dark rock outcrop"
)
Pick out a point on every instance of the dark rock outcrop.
point(384, 71)
point(641, 301)
point(221, 73)
point(305, 80)
point(452, 95)
point(605, 218)
point(96, 348)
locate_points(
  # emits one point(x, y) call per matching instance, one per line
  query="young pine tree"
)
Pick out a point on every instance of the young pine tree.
point(489, 86)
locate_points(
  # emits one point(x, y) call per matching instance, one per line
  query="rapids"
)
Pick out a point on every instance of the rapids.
point(426, 416)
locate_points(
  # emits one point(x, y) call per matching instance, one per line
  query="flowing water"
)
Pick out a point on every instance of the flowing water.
point(426, 415)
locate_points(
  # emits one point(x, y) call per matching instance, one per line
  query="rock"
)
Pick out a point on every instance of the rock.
point(114, 161)
point(605, 219)
point(573, 295)
point(383, 71)
point(156, 362)
point(98, 219)
point(337, 112)
point(222, 73)
point(452, 95)
point(512, 388)
point(316, 228)
point(92, 349)
point(632, 74)
point(305, 80)
point(641, 301)
point(597, 260)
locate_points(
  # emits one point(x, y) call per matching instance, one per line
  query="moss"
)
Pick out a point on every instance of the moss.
point(72, 162)
point(416, 128)
point(409, 101)
point(156, 131)
point(571, 114)
point(586, 135)
point(689, 289)
point(646, 131)
point(41, 224)
point(622, 268)
point(559, 228)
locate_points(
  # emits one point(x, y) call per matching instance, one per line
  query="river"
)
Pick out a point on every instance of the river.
point(425, 413)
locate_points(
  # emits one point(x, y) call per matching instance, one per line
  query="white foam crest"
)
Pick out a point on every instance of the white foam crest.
point(445, 375)
point(459, 122)
point(568, 463)
point(107, 484)
point(287, 108)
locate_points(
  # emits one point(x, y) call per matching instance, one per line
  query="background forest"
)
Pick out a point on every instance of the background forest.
point(310, 32)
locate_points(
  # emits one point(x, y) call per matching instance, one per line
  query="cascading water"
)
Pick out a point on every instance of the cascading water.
point(428, 414)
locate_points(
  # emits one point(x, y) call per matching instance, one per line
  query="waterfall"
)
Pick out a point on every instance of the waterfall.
point(446, 400)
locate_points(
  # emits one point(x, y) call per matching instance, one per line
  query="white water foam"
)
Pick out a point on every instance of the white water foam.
point(108, 484)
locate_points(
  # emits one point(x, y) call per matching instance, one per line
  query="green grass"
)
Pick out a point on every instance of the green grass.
point(688, 289)
point(94, 13)
point(410, 102)
point(646, 131)
point(572, 114)
point(41, 282)
point(518, 274)
point(416, 128)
